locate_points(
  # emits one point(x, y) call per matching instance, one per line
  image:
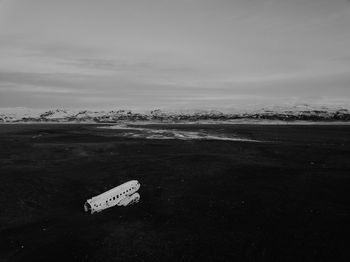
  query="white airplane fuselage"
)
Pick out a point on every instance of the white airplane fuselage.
point(122, 195)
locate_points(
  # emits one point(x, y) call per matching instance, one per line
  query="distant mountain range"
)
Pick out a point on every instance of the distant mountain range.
point(285, 113)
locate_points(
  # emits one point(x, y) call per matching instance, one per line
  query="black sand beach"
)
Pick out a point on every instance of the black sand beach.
point(285, 198)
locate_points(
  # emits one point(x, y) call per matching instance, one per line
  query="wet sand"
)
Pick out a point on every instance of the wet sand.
point(284, 198)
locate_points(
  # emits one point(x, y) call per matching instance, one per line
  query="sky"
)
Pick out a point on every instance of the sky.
point(173, 54)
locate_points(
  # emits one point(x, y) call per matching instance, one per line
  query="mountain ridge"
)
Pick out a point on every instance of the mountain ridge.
point(282, 113)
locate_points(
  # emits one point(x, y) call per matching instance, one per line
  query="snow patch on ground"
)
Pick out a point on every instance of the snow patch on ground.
point(151, 133)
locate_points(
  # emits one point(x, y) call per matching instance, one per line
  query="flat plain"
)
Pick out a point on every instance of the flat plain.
point(283, 197)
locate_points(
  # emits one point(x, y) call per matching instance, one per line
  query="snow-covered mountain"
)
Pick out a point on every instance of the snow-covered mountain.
point(282, 113)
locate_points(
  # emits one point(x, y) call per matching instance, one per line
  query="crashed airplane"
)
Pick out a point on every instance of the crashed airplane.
point(122, 195)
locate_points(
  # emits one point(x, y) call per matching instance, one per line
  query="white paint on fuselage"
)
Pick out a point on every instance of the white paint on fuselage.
point(122, 195)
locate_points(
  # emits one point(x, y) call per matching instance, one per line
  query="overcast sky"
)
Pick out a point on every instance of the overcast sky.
point(173, 53)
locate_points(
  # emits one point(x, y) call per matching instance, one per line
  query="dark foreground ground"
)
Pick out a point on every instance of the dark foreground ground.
point(282, 200)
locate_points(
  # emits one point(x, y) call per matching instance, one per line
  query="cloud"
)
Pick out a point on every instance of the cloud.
point(39, 79)
point(65, 59)
point(28, 88)
point(112, 65)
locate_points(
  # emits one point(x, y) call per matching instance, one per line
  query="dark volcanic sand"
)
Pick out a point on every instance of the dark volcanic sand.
point(282, 200)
